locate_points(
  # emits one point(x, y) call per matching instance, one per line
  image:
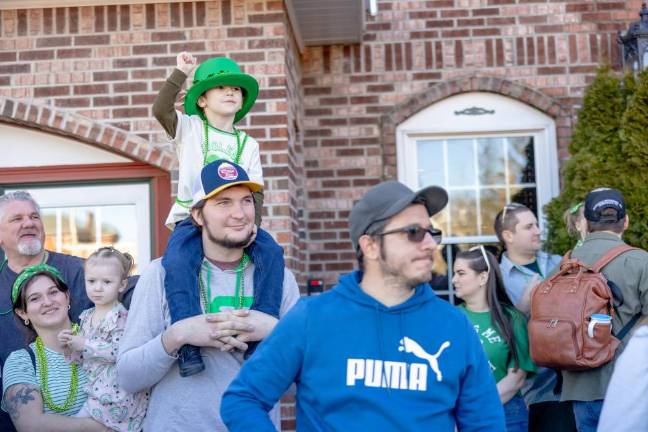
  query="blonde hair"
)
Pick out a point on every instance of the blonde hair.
point(124, 259)
point(572, 216)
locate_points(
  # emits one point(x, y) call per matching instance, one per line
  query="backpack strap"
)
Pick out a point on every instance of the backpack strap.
point(610, 255)
point(626, 328)
point(33, 358)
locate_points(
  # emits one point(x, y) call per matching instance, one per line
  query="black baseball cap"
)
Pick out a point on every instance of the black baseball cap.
point(604, 198)
point(387, 199)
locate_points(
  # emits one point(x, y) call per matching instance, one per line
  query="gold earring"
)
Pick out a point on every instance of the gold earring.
point(26, 322)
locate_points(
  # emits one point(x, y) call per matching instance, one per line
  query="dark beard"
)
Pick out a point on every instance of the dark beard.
point(229, 244)
point(386, 268)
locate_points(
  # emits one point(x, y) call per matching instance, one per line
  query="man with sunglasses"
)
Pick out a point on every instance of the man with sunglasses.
point(380, 351)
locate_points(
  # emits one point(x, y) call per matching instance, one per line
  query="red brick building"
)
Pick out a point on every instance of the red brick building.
point(479, 96)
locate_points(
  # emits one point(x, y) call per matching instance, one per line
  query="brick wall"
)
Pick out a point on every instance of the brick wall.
point(416, 52)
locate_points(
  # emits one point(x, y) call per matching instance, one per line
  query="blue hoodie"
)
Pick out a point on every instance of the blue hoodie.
point(360, 365)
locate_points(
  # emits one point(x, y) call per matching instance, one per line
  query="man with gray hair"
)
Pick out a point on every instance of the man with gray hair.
point(22, 237)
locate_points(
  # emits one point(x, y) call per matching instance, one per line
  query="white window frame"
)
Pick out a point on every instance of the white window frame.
point(503, 117)
point(511, 118)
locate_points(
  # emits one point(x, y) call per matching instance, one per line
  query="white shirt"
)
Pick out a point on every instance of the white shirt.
point(192, 157)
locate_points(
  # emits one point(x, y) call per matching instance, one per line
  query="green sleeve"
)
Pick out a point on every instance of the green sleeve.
point(521, 336)
point(163, 106)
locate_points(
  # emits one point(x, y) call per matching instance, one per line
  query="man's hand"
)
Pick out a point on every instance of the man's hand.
point(262, 324)
point(185, 62)
point(71, 341)
point(211, 330)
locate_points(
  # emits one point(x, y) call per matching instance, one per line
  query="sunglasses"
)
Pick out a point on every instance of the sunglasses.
point(483, 252)
point(510, 207)
point(416, 234)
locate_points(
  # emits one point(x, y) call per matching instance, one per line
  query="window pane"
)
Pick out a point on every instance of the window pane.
point(440, 221)
point(491, 202)
point(431, 169)
point(526, 196)
point(82, 230)
point(490, 157)
point(461, 168)
point(463, 213)
point(521, 160)
point(506, 168)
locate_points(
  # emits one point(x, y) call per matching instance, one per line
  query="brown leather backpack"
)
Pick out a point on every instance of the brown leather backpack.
point(561, 307)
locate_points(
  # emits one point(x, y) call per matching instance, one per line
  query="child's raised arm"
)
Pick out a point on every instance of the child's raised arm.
point(163, 107)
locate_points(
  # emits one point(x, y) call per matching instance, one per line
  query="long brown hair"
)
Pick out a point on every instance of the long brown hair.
point(499, 303)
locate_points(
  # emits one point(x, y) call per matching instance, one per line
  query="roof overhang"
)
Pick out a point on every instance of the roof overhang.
point(326, 22)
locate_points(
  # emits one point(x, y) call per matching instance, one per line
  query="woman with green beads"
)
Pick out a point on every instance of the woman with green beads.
point(41, 391)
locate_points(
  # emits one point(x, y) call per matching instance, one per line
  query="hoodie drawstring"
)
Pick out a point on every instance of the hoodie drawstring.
point(383, 374)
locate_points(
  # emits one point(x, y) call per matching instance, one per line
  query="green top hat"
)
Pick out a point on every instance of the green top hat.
point(220, 71)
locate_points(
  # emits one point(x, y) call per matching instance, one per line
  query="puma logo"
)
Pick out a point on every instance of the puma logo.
point(411, 346)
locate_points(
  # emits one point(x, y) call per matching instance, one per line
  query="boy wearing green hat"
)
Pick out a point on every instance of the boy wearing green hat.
point(219, 97)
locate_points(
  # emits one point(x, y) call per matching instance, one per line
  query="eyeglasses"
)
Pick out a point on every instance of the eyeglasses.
point(416, 234)
point(483, 251)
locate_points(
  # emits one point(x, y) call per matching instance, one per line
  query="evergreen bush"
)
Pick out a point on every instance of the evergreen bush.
point(609, 148)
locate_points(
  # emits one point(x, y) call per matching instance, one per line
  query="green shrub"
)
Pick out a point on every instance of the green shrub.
point(609, 148)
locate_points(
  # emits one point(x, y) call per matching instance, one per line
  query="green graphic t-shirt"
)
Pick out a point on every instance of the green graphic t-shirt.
point(496, 348)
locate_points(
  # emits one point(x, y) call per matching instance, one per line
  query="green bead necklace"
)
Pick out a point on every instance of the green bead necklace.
point(205, 293)
point(239, 145)
point(41, 360)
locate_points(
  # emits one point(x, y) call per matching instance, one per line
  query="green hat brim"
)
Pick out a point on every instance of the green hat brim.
point(246, 82)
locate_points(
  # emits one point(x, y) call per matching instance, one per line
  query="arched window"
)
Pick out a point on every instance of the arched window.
point(486, 150)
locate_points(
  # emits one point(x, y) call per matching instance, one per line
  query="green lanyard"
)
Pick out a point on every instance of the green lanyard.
point(205, 292)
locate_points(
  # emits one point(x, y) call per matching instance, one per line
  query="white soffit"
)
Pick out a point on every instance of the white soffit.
point(22, 147)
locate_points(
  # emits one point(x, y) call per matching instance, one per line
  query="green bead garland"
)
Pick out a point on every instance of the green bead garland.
point(240, 285)
point(47, 397)
point(239, 145)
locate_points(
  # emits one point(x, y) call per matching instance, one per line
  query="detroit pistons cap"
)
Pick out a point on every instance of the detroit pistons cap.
point(217, 176)
point(387, 199)
point(601, 199)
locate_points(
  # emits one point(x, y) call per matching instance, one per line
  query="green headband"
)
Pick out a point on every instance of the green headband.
point(28, 273)
point(574, 209)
